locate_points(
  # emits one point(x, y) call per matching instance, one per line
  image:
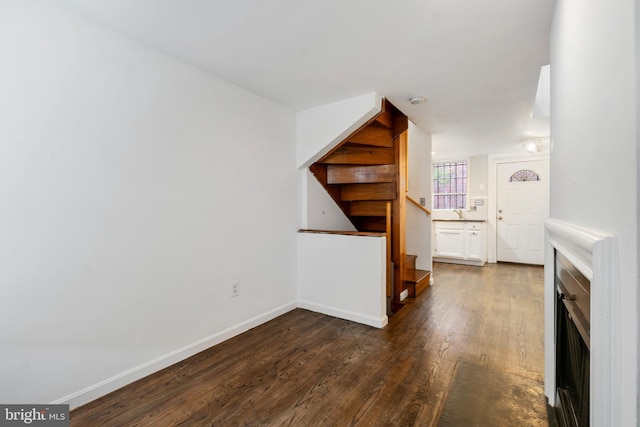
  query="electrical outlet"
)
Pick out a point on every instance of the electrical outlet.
point(235, 288)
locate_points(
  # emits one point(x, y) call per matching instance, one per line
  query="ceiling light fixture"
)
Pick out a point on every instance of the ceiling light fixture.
point(533, 145)
point(417, 100)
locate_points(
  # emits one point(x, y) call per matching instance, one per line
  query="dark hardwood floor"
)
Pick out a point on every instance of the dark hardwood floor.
point(307, 369)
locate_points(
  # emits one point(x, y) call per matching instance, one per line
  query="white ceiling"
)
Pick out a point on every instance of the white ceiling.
point(476, 61)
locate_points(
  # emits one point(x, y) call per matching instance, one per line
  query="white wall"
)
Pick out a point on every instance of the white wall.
point(343, 276)
point(133, 190)
point(594, 109)
point(419, 224)
point(478, 188)
point(322, 211)
point(478, 177)
point(319, 129)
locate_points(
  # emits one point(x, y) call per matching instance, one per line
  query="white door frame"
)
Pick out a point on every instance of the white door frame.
point(492, 170)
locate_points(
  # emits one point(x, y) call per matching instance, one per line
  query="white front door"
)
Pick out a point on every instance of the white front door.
point(522, 207)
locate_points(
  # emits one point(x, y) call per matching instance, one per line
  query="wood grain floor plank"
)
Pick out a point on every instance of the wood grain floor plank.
point(305, 368)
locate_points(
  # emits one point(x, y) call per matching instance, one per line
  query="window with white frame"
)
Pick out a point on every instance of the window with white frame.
point(450, 185)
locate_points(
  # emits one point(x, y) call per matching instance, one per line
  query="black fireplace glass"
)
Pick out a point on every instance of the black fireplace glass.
point(572, 370)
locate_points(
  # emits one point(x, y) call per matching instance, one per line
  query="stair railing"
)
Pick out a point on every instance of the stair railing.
point(427, 211)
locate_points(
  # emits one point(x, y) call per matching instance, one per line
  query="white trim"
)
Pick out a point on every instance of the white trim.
point(492, 170)
point(596, 256)
point(102, 388)
point(458, 261)
point(345, 314)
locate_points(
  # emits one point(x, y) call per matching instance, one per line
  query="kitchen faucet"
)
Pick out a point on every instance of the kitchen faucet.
point(459, 212)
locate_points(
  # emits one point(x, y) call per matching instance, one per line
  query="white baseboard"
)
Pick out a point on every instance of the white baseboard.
point(380, 322)
point(102, 388)
point(459, 261)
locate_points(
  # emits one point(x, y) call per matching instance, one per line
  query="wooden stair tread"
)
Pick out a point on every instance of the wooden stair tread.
point(417, 281)
point(385, 118)
point(363, 192)
point(409, 262)
point(370, 223)
point(416, 275)
point(368, 208)
point(351, 154)
point(373, 135)
point(357, 174)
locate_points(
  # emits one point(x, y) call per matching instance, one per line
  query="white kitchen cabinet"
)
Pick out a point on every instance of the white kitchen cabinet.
point(450, 240)
point(474, 242)
point(461, 242)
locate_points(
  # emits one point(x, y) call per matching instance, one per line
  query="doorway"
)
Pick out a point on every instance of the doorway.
point(518, 207)
point(522, 204)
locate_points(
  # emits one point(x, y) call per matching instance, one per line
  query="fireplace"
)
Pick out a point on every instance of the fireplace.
point(572, 344)
point(582, 325)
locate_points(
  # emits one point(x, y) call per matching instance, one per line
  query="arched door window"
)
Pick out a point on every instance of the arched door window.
point(524, 175)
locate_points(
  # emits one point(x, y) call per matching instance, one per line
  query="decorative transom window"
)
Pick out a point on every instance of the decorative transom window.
point(450, 185)
point(524, 175)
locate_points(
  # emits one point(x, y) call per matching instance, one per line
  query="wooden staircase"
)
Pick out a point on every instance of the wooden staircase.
point(366, 175)
point(416, 281)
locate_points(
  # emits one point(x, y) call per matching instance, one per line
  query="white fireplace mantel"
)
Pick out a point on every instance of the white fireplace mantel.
point(595, 255)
